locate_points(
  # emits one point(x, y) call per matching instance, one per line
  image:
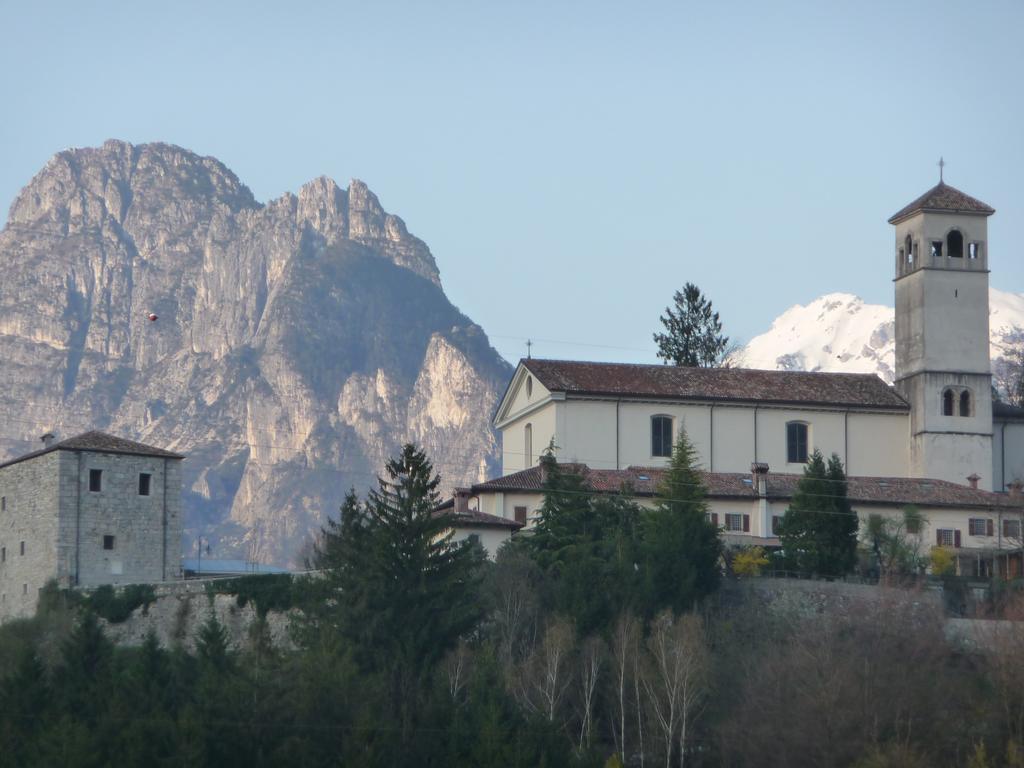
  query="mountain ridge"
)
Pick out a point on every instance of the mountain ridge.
point(299, 341)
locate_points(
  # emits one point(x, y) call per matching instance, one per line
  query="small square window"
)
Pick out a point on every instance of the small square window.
point(95, 480)
point(733, 522)
point(945, 537)
point(1011, 529)
point(937, 248)
point(108, 542)
point(913, 525)
point(144, 478)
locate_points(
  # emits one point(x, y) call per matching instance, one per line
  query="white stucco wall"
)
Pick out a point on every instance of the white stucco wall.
point(1009, 467)
point(604, 434)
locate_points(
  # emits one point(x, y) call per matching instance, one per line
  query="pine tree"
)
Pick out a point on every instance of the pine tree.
point(405, 591)
point(819, 530)
point(585, 544)
point(681, 548)
point(693, 331)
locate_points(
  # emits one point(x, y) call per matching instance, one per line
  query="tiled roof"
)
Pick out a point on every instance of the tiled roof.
point(474, 519)
point(737, 485)
point(1006, 411)
point(99, 442)
point(715, 384)
point(945, 199)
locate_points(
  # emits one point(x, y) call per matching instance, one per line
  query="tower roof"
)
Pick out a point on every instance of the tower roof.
point(943, 198)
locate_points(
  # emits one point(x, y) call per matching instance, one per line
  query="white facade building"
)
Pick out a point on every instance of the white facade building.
point(935, 439)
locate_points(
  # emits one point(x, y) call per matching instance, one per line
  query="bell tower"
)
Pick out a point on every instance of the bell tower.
point(942, 339)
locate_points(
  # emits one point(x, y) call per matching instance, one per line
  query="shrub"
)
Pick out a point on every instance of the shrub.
point(749, 561)
point(267, 592)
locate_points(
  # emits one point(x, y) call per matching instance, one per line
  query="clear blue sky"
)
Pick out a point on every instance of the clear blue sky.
point(570, 164)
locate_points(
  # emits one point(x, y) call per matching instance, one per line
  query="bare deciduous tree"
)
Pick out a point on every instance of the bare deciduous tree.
point(545, 676)
point(675, 677)
point(592, 658)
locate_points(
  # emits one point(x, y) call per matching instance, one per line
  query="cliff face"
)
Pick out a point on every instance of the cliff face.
point(298, 342)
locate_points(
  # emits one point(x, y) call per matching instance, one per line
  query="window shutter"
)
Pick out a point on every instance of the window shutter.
point(956, 538)
point(991, 527)
point(938, 537)
point(746, 523)
point(714, 519)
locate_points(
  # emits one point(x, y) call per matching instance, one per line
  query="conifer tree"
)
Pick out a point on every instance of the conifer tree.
point(405, 591)
point(681, 548)
point(819, 529)
point(693, 331)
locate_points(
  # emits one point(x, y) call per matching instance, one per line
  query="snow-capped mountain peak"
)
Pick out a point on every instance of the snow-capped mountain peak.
point(840, 332)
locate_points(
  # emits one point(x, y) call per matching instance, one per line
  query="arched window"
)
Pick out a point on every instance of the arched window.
point(965, 403)
point(796, 442)
point(529, 387)
point(947, 403)
point(661, 436)
point(528, 444)
point(908, 246)
point(955, 244)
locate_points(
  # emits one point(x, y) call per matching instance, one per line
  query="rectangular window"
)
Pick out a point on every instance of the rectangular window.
point(108, 542)
point(913, 525)
point(1011, 529)
point(3, 503)
point(144, 478)
point(661, 436)
point(3, 554)
point(22, 548)
point(24, 589)
point(776, 524)
point(973, 250)
point(978, 526)
point(947, 537)
point(937, 248)
point(521, 515)
point(733, 522)
point(95, 480)
point(796, 442)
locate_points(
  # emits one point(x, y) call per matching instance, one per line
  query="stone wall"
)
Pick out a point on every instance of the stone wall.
point(146, 529)
point(28, 504)
point(46, 503)
point(182, 608)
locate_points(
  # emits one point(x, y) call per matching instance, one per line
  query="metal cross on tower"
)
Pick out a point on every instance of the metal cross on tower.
point(529, 346)
point(941, 164)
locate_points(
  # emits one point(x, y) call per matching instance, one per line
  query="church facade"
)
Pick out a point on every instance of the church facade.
point(935, 439)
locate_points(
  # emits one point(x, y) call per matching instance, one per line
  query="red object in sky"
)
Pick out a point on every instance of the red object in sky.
point(152, 317)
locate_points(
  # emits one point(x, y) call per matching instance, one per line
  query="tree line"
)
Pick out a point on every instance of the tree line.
point(602, 638)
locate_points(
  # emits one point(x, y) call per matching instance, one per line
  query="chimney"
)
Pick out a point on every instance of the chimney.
point(481, 473)
point(973, 479)
point(461, 501)
point(47, 439)
point(759, 478)
point(1014, 489)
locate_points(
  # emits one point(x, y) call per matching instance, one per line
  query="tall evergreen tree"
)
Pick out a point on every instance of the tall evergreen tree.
point(405, 591)
point(681, 549)
point(819, 529)
point(585, 544)
point(693, 331)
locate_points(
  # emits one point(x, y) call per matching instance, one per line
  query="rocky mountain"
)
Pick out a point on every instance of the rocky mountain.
point(297, 344)
point(839, 332)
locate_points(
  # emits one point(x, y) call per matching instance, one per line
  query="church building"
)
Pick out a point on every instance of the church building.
point(935, 439)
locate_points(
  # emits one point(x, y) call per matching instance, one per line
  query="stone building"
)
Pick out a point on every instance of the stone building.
point(934, 440)
point(90, 510)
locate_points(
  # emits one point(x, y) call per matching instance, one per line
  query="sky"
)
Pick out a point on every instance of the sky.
point(570, 164)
